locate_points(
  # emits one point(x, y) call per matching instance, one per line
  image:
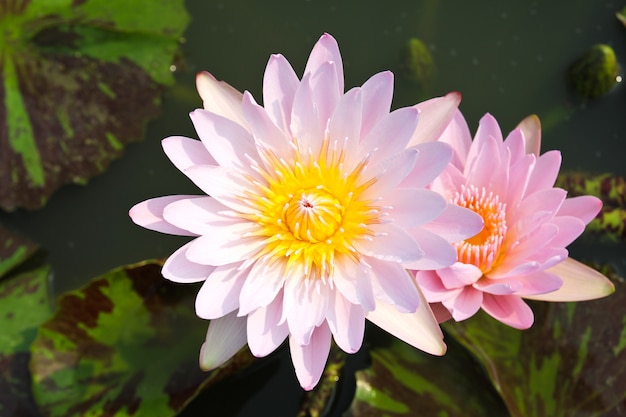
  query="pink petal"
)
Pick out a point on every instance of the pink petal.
point(186, 152)
point(441, 312)
point(347, 323)
point(394, 285)
point(459, 275)
point(326, 50)
point(569, 229)
point(265, 333)
point(219, 295)
point(502, 286)
point(377, 95)
point(220, 98)
point(227, 142)
point(305, 306)
point(545, 171)
point(389, 243)
point(482, 161)
point(309, 360)
point(509, 309)
point(585, 207)
point(531, 127)
point(438, 252)
point(388, 174)
point(344, 125)
point(455, 223)
point(224, 338)
point(458, 136)
point(222, 184)
point(431, 286)
point(465, 304)
point(325, 92)
point(580, 283)
point(419, 329)
point(540, 282)
point(149, 214)
point(279, 87)
point(178, 268)
point(435, 115)
point(409, 207)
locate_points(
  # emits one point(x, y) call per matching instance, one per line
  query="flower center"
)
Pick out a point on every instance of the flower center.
point(310, 209)
point(313, 215)
point(483, 249)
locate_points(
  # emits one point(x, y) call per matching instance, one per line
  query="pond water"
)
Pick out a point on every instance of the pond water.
point(506, 58)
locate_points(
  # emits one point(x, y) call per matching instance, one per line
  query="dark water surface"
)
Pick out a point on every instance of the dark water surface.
point(506, 58)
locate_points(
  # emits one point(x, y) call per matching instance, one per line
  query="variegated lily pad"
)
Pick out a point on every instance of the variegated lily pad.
point(23, 306)
point(14, 250)
point(403, 381)
point(571, 362)
point(78, 80)
point(126, 344)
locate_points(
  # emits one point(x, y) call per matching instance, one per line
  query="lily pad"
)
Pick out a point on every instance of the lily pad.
point(14, 250)
point(23, 306)
point(126, 344)
point(78, 80)
point(571, 362)
point(403, 381)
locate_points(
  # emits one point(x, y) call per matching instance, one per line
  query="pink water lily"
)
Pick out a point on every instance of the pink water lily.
point(521, 252)
point(316, 204)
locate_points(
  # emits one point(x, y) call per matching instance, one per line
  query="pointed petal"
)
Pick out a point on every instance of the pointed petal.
point(509, 309)
point(419, 329)
point(390, 243)
point(227, 142)
point(438, 252)
point(224, 338)
point(309, 360)
point(580, 283)
point(465, 304)
point(263, 129)
point(411, 207)
point(178, 268)
point(352, 279)
point(186, 152)
point(455, 223)
point(531, 127)
point(219, 295)
point(223, 185)
point(265, 333)
point(279, 87)
point(545, 172)
point(224, 246)
point(585, 207)
point(459, 275)
point(435, 115)
point(262, 285)
point(326, 50)
point(149, 214)
point(431, 160)
point(199, 215)
point(220, 97)
point(394, 285)
point(390, 135)
point(347, 323)
point(377, 95)
point(458, 136)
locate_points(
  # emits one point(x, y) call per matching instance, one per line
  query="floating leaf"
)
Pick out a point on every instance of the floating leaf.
point(14, 250)
point(403, 381)
point(570, 363)
point(611, 189)
point(127, 344)
point(23, 306)
point(78, 80)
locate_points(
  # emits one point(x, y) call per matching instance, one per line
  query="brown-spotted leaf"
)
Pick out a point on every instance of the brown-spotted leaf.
point(78, 80)
point(570, 363)
point(126, 344)
point(14, 250)
point(404, 381)
point(23, 306)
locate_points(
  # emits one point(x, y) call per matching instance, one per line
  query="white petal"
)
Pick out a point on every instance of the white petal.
point(347, 323)
point(178, 268)
point(455, 223)
point(377, 95)
point(389, 243)
point(186, 152)
point(224, 338)
point(223, 185)
point(419, 329)
point(219, 295)
point(220, 98)
point(263, 129)
point(224, 246)
point(309, 360)
point(326, 50)
point(263, 284)
point(353, 281)
point(393, 284)
point(389, 173)
point(410, 207)
point(199, 215)
point(438, 253)
point(265, 333)
point(435, 114)
point(279, 87)
point(149, 214)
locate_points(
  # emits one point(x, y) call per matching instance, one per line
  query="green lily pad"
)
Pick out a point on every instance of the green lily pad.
point(126, 344)
point(78, 80)
point(14, 250)
point(403, 381)
point(23, 306)
point(571, 362)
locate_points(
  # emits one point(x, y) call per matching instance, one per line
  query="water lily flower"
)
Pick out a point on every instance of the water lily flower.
point(521, 252)
point(315, 207)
